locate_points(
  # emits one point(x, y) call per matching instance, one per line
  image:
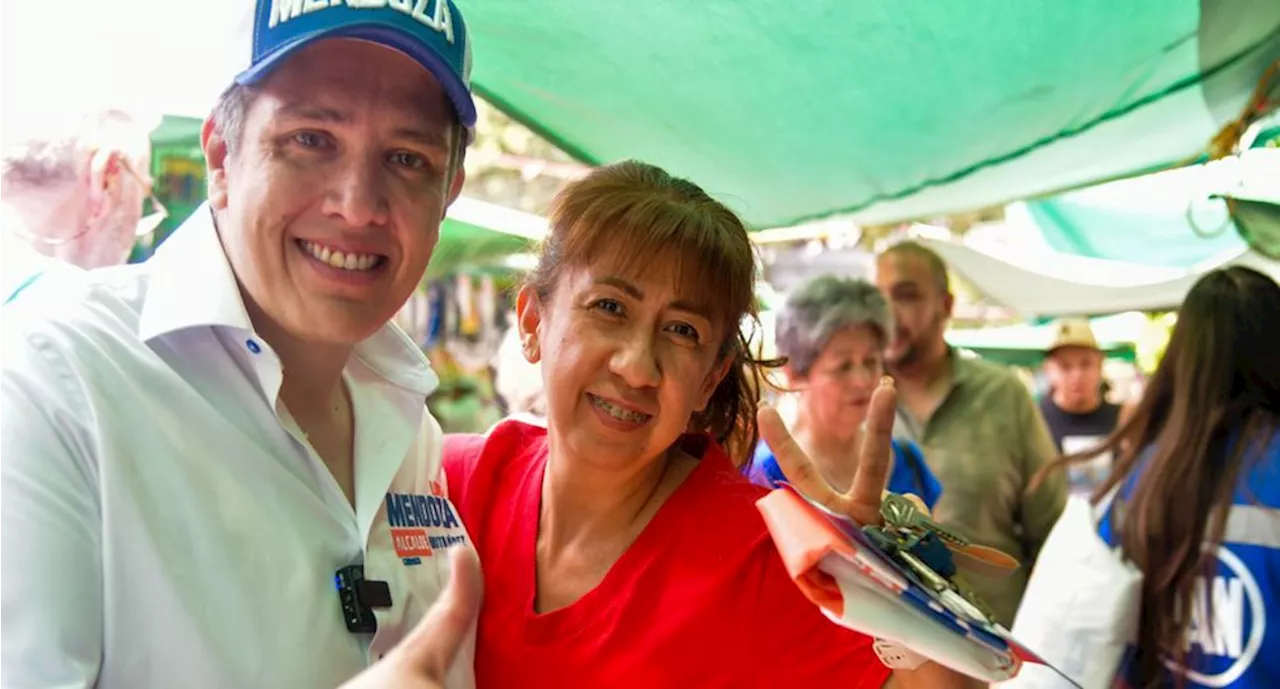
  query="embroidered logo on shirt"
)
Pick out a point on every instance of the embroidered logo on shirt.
point(422, 524)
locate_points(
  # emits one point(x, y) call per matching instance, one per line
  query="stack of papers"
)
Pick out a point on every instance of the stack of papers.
point(858, 586)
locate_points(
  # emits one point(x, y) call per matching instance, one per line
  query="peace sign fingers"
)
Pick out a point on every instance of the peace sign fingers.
point(877, 452)
point(862, 502)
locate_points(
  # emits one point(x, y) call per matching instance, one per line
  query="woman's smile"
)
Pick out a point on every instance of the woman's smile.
point(617, 415)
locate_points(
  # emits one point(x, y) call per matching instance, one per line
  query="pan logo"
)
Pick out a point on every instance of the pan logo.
point(1227, 644)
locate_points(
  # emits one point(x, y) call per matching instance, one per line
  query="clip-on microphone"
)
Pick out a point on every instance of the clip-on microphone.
point(359, 596)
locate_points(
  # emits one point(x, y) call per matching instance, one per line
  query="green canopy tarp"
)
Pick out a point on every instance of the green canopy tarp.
point(1025, 345)
point(880, 108)
point(1153, 236)
point(887, 109)
point(1167, 219)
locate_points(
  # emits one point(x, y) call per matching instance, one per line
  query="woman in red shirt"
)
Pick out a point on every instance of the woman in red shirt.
point(620, 542)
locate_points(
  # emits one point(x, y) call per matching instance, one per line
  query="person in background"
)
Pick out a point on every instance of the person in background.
point(515, 380)
point(463, 401)
point(832, 332)
point(73, 192)
point(974, 420)
point(461, 406)
point(621, 543)
point(1075, 406)
point(1198, 507)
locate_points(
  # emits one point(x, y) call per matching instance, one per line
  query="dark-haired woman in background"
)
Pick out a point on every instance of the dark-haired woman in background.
point(1198, 508)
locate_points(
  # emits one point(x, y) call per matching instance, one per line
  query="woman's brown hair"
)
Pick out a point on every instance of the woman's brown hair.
point(638, 213)
point(1212, 403)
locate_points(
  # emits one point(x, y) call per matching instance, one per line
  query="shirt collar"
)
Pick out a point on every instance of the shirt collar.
point(904, 425)
point(961, 366)
point(192, 285)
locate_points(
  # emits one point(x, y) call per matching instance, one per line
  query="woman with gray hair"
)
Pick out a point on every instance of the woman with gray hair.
point(833, 332)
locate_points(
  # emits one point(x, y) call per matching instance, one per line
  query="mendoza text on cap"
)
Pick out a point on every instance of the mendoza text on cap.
point(432, 32)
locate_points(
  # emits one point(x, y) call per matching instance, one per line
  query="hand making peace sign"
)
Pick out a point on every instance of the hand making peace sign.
point(862, 502)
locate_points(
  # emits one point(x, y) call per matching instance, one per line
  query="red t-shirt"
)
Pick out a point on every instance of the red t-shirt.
point(700, 599)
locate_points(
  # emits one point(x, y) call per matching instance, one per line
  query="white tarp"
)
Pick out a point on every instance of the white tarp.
point(1055, 284)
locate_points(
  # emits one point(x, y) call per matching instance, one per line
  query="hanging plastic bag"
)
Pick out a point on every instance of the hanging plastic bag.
point(1081, 606)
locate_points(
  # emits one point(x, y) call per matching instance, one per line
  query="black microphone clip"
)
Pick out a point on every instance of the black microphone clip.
point(359, 597)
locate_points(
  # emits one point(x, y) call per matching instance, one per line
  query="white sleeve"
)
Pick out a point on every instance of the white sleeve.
point(51, 607)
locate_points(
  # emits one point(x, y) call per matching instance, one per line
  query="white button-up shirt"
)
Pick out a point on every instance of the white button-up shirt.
point(166, 523)
point(20, 264)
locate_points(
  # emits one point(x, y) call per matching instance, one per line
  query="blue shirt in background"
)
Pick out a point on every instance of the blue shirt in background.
point(909, 473)
point(1240, 648)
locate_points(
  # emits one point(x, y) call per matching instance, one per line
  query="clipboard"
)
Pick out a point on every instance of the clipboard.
point(858, 586)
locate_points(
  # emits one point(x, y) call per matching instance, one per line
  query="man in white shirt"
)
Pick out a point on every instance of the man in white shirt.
point(198, 450)
point(73, 192)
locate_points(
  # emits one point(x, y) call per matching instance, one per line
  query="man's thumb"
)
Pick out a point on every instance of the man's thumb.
point(434, 643)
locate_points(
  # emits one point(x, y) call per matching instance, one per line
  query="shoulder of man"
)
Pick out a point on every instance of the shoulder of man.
point(990, 373)
point(70, 326)
point(66, 294)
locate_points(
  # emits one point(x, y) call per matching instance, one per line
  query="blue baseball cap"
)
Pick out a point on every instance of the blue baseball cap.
point(432, 32)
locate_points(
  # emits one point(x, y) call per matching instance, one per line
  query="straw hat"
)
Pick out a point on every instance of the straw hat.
point(1073, 332)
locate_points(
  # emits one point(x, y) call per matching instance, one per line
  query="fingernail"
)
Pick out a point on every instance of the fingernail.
point(886, 381)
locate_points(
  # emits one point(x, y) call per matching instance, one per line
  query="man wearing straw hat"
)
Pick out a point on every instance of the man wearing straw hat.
point(1075, 410)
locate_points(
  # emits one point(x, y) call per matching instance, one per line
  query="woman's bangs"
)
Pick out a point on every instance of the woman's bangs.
point(699, 258)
